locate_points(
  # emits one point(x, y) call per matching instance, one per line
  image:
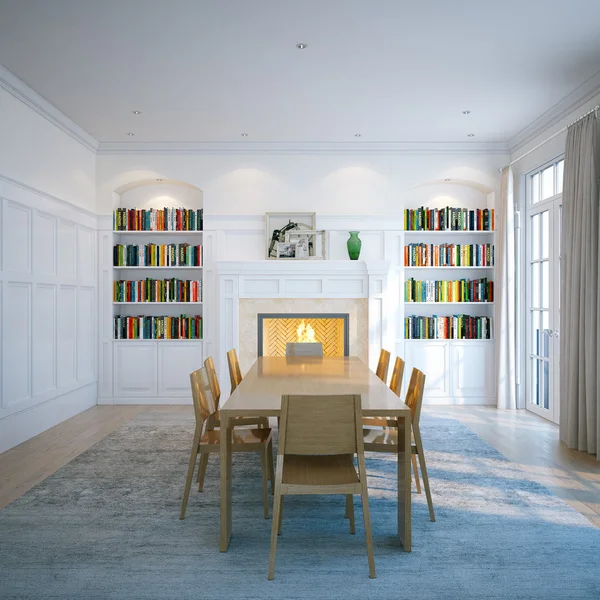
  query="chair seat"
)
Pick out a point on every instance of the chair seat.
point(380, 422)
point(241, 421)
point(240, 437)
point(383, 440)
point(319, 470)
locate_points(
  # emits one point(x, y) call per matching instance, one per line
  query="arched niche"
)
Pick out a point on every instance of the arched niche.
point(454, 192)
point(151, 193)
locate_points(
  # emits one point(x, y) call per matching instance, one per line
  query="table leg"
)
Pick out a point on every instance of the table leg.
point(225, 454)
point(404, 483)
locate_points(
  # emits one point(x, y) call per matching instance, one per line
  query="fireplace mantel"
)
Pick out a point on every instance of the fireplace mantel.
point(297, 279)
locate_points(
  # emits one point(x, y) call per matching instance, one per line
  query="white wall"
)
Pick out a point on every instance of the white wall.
point(48, 274)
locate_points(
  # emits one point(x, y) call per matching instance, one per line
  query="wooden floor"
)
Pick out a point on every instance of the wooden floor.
point(521, 436)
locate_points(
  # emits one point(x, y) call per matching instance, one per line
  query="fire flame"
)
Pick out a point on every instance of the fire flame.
point(306, 334)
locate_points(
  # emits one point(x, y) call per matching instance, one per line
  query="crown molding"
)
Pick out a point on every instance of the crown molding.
point(21, 91)
point(584, 93)
point(431, 148)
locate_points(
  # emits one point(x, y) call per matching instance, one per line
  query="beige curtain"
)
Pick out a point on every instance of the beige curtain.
point(504, 288)
point(579, 292)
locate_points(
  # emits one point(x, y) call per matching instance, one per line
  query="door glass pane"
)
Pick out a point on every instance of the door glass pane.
point(535, 327)
point(560, 170)
point(545, 234)
point(535, 188)
point(535, 380)
point(535, 285)
point(548, 182)
point(546, 384)
point(545, 335)
point(535, 237)
point(545, 284)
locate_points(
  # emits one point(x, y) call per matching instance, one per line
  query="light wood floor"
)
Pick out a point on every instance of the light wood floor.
point(521, 436)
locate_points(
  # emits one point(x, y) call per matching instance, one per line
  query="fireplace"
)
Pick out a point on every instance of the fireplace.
point(276, 330)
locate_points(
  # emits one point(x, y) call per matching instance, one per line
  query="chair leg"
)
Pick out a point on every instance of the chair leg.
point(350, 511)
point(368, 535)
point(280, 515)
point(202, 471)
point(190, 476)
point(271, 467)
point(416, 472)
point(275, 527)
point(419, 444)
point(265, 481)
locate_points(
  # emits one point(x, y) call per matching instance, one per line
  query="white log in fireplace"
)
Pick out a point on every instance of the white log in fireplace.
point(246, 290)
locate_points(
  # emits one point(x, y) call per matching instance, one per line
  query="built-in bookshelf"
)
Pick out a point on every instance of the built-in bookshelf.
point(159, 306)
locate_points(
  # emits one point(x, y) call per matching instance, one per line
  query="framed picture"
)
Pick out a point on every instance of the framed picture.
point(310, 244)
point(279, 223)
point(286, 250)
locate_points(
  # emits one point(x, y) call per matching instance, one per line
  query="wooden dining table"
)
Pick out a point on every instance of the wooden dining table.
point(259, 394)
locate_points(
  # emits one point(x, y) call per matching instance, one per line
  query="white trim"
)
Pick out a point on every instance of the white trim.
point(21, 91)
point(412, 148)
point(584, 93)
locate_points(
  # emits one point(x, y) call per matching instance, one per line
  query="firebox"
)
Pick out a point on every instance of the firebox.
point(275, 330)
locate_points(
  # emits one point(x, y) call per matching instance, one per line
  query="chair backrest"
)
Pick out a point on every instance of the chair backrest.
point(321, 425)
point(397, 375)
point(235, 373)
point(414, 395)
point(211, 372)
point(304, 349)
point(204, 404)
point(383, 365)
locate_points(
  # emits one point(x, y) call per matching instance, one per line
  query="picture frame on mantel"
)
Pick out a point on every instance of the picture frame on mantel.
point(310, 245)
point(277, 224)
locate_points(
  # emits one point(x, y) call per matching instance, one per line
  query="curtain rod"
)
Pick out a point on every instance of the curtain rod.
point(516, 160)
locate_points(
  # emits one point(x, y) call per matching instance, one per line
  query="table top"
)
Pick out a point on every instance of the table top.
point(270, 377)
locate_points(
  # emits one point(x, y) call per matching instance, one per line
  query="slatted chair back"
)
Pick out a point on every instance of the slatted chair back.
point(204, 405)
point(397, 375)
point(235, 373)
point(321, 425)
point(304, 349)
point(383, 365)
point(211, 372)
point(414, 395)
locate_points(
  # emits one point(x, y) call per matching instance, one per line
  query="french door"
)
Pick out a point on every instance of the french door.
point(543, 299)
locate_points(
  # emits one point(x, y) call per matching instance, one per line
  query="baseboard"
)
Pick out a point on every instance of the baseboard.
point(152, 400)
point(22, 426)
point(445, 401)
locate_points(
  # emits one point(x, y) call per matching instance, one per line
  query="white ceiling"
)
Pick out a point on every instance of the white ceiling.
point(394, 71)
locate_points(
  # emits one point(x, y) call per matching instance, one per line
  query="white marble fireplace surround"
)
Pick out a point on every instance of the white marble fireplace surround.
point(359, 288)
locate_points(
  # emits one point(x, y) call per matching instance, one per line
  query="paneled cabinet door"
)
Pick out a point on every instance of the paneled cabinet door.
point(134, 369)
point(472, 373)
point(176, 360)
point(433, 359)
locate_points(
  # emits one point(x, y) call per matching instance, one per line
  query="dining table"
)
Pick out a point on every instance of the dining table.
point(270, 377)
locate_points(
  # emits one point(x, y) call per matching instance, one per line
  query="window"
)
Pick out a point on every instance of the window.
point(546, 183)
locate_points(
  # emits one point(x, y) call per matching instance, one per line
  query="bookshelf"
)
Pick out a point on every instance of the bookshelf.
point(448, 328)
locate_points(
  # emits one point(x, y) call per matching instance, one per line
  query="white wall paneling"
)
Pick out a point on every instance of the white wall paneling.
point(135, 368)
point(47, 312)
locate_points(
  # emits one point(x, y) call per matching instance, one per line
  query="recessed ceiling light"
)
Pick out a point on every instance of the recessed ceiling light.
point(244, 135)
point(466, 112)
point(357, 134)
point(470, 135)
point(136, 112)
point(159, 180)
point(301, 46)
point(447, 179)
point(130, 133)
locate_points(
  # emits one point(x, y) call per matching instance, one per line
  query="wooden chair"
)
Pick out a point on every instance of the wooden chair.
point(319, 437)
point(396, 387)
point(215, 388)
point(304, 349)
point(386, 440)
point(207, 440)
point(383, 365)
point(235, 373)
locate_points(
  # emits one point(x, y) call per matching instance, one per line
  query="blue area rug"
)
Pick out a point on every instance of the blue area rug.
point(106, 526)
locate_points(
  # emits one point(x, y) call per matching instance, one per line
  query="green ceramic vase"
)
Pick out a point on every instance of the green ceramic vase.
point(354, 244)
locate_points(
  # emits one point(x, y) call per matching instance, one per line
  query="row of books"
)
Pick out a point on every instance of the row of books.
point(157, 219)
point(157, 255)
point(456, 327)
point(460, 290)
point(157, 328)
point(157, 290)
point(449, 255)
point(449, 219)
